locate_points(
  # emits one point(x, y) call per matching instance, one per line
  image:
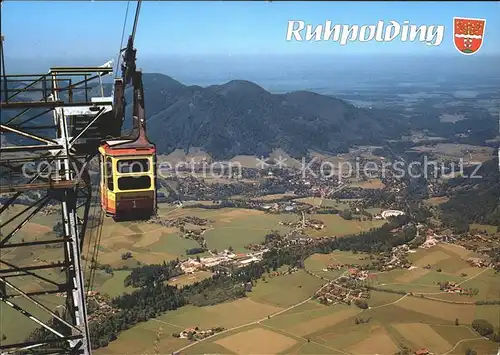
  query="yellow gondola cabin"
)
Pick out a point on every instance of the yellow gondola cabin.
point(128, 168)
point(128, 188)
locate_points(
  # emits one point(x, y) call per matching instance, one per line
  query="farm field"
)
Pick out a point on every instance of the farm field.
point(234, 227)
point(272, 197)
point(192, 203)
point(114, 285)
point(238, 228)
point(251, 161)
point(180, 156)
point(277, 314)
point(436, 201)
point(483, 228)
point(337, 226)
point(374, 210)
point(314, 201)
point(264, 300)
point(305, 326)
point(394, 319)
point(332, 330)
point(340, 204)
point(286, 290)
point(257, 340)
point(450, 151)
point(150, 243)
point(185, 279)
point(227, 315)
point(450, 260)
point(368, 184)
point(317, 263)
point(140, 339)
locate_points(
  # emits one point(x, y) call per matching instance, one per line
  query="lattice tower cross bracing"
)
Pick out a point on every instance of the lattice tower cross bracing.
point(44, 164)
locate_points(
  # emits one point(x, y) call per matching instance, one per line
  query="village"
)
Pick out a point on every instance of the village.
point(191, 183)
point(351, 287)
point(225, 258)
point(475, 242)
point(395, 259)
point(358, 281)
point(99, 306)
point(196, 333)
point(454, 287)
point(180, 222)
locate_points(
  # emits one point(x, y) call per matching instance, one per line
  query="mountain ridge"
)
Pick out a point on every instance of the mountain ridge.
point(240, 117)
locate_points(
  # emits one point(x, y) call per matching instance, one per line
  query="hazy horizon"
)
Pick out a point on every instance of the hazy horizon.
point(299, 72)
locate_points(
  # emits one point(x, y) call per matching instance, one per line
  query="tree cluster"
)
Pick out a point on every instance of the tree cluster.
point(361, 304)
point(474, 200)
point(194, 251)
point(485, 329)
point(149, 274)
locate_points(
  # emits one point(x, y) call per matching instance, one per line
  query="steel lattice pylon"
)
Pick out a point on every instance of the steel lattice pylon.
point(53, 127)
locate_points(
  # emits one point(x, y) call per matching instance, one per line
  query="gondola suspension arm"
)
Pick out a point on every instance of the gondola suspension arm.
point(129, 52)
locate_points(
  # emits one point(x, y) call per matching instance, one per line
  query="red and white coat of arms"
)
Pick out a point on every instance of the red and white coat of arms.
point(468, 34)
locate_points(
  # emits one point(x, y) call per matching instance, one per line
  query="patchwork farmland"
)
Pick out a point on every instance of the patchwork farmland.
point(280, 316)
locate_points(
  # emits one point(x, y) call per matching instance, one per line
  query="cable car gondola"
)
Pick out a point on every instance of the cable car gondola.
point(128, 165)
point(128, 174)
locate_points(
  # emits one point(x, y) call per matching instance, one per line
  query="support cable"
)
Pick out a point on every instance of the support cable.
point(96, 251)
point(136, 20)
point(5, 84)
point(2, 58)
point(92, 236)
point(121, 42)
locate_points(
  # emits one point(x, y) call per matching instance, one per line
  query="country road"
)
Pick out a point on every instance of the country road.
point(473, 277)
point(257, 321)
point(461, 341)
point(304, 301)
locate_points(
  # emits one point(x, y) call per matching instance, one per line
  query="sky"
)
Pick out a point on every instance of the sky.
point(40, 29)
point(207, 42)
